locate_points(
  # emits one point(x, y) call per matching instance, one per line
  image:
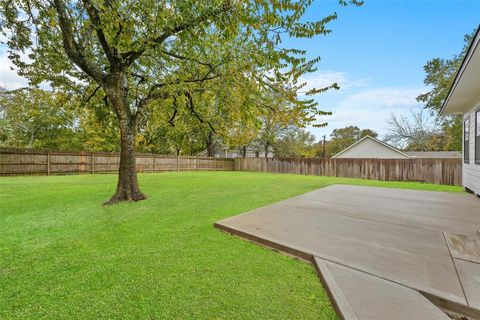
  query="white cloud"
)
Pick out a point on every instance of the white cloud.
point(322, 79)
point(370, 109)
point(9, 79)
point(383, 97)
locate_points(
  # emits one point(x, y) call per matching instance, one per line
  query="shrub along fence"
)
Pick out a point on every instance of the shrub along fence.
point(30, 162)
point(440, 171)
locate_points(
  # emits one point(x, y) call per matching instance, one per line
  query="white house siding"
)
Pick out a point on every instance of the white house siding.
point(471, 170)
point(369, 148)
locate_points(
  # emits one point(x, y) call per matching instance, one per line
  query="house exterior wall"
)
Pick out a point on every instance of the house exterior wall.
point(471, 170)
point(369, 148)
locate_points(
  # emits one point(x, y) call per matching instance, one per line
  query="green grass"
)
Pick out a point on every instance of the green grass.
point(64, 256)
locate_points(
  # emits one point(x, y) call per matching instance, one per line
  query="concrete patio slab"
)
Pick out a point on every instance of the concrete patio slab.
point(391, 234)
point(414, 257)
point(367, 297)
point(426, 209)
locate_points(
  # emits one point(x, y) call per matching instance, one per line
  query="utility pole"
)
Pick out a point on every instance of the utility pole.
point(324, 142)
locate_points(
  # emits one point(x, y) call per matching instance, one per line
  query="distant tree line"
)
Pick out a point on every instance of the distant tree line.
point(54, 120)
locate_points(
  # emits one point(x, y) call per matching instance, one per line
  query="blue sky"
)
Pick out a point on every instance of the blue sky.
point(376, 53)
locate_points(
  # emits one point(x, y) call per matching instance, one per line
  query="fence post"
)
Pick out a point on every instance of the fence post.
point(154, 166)
point(178, 163)
point(93, 162)
point(196, 163)
point(48, 164)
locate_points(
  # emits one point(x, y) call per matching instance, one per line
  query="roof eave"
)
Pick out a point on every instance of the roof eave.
point(458, 75)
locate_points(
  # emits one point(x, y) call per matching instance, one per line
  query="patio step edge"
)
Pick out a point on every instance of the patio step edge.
point(380, 298)
point(339, 301)
point(452, 306)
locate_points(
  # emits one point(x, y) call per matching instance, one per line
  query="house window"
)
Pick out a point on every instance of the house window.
point(477, 137)
point(466, 141)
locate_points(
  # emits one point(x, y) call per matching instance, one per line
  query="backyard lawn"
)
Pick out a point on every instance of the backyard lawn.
point(64, 256)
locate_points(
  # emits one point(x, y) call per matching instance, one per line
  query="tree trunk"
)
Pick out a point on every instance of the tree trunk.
point(210, 151)
point(267, 148)
point(127, 185)
point(210, 144)
point(32, 138)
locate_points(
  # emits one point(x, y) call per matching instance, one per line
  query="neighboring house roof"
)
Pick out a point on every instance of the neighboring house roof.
point(369, 147)
point(465, 89)
point(203, 153)
point(435, 154)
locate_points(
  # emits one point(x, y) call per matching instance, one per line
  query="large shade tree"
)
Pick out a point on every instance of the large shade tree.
point(138, 52)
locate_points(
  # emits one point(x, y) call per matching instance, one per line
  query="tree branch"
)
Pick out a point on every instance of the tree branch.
point(71, 47)
point(93, 94)
point(204, 78)
point(171, 120)
point(153, 92)
point(177, 56)
point(131, 56)
point(95, 19)
point(191, 106)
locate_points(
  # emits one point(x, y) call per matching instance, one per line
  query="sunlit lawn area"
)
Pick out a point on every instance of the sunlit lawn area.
point(65, 256)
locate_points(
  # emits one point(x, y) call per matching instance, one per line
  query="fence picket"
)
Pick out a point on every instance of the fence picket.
point(440, 171)
point(28, 162)
point(34, 162)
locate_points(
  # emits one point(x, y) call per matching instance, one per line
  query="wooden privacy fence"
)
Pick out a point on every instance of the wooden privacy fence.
point(440, 171)
point(25, 162)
